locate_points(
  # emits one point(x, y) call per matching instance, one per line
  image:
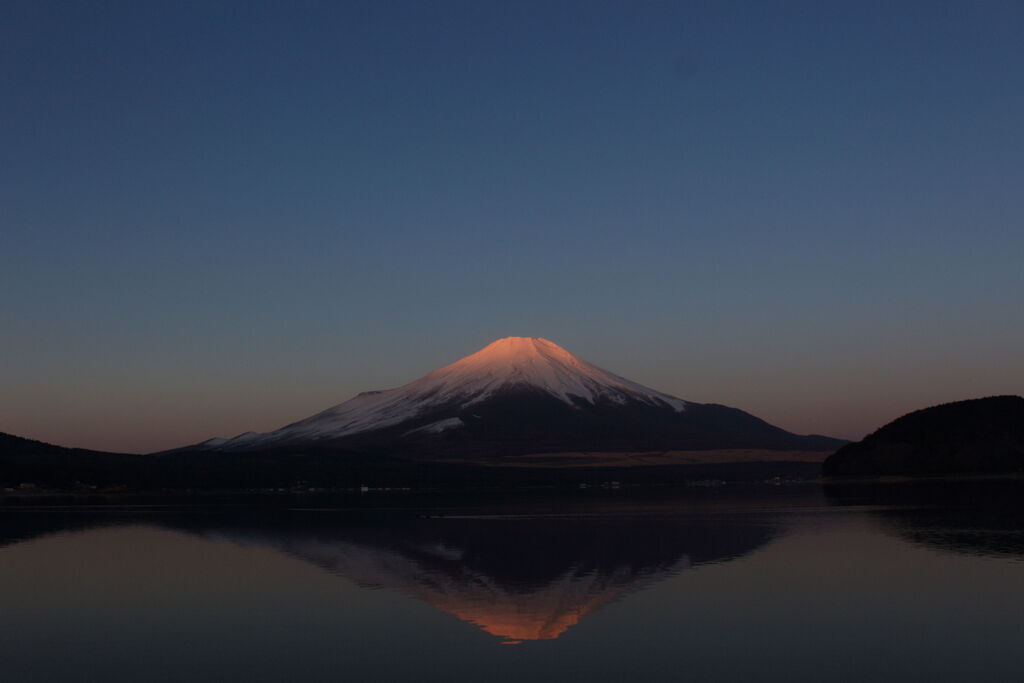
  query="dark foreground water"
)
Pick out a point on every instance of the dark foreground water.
point(790, 584)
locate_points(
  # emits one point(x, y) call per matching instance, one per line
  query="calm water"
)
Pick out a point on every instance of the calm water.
point(890, 583)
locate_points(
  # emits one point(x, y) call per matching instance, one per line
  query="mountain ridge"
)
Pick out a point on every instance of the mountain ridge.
point(974, 436)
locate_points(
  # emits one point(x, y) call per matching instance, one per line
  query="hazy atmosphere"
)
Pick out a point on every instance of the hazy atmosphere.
point(224, 218)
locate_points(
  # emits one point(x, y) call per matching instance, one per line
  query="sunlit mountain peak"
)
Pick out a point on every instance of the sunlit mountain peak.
point(511, 363)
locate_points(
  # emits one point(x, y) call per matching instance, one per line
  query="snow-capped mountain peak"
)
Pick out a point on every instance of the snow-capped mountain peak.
point(542, 364)
point(506, 364)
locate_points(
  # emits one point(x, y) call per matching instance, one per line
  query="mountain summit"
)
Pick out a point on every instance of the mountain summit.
point(541, 364)
point(521, 395)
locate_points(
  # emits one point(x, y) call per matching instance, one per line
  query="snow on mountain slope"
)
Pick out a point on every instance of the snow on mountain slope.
point(438, 427)
point(513, 362)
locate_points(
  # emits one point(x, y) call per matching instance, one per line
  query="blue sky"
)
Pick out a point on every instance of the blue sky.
point(215, 219)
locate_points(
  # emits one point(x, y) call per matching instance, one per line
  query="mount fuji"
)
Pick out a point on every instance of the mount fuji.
point(521, 396)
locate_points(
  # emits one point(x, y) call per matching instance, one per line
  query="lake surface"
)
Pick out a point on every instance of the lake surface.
point(922, 583)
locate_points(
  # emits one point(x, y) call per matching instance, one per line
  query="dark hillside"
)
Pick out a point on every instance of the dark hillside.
point(979, 436)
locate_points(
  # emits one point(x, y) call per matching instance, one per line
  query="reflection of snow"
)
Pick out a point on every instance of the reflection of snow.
point(439, 578)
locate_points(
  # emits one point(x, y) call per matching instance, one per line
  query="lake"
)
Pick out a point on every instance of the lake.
point(797, 583)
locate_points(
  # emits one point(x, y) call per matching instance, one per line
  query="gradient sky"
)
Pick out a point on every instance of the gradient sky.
point(222, 218)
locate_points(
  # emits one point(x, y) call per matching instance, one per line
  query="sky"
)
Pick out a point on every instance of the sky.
point(221, 217)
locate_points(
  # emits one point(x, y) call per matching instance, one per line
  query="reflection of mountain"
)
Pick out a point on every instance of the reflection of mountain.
point(519, 578)
point(17, 525)
point(983, 518)
point(516, 577)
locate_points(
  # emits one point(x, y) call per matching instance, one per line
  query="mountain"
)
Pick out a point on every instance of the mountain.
point(521, 396)
point(12, 446)
point(979, 436)
point(28, 461)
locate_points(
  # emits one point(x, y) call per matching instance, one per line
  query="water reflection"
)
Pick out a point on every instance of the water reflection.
point(518, 577)
point(877, 587)
point(18, 525)
point(981, 518)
